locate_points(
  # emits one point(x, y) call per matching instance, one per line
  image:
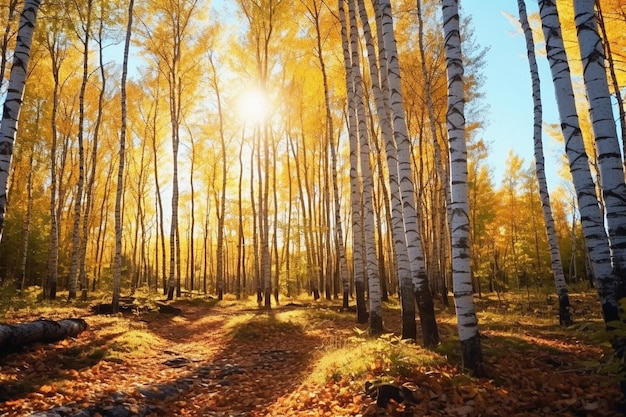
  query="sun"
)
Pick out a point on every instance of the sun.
point(253, 106)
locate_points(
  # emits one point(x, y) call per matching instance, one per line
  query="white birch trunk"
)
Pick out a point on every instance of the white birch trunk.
point(461, 268)
point(590, 216)
point(401, 261)
point(421, 287)
point(553, 243)
point(117, 265)
point(605, 131)
point(373, 280)
point(355, 186)
point(15, 94)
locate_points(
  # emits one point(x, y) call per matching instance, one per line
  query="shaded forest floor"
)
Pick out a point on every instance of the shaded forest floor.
point(309, 359)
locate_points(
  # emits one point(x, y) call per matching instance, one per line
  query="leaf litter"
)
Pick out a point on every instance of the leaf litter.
point(197, 365)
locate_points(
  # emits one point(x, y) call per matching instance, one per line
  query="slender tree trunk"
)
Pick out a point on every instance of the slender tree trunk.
point(461, 271)
point(92, 174)
point(241, 287)
point(78, 204)
point(373, 280)
point(393, 91)
point(441, 218)
point(591, 218)
point(15, 94)
point(29, 212)
point(401, 259)
point(117, 265)
point(221, 206)
point(54, 50)
point(355, 195)
point(555, 252)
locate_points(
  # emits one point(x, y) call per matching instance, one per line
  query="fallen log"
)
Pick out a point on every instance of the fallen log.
point(39, 331)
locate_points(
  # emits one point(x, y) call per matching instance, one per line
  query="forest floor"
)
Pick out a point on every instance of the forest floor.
point(309, 359)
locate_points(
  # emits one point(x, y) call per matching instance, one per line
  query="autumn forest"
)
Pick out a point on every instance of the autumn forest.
point(281, 151)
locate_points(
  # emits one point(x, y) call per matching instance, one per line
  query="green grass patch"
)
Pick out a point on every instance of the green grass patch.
point(359, 358)
point(250, 327)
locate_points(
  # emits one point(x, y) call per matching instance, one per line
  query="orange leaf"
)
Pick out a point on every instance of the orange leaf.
point(46, 389)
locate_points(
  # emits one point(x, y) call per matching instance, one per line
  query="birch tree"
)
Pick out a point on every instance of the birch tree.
point(401, 261)
point(591, 218)
point(461, 271)
point(15, 94)
point(555, 252)
point(393, 93)
point(117, 265)
point(605, 132)
point(358, 242)
point(78, 203)
point(375, 319)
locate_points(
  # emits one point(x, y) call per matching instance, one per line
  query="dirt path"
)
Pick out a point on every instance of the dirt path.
point(191, 367)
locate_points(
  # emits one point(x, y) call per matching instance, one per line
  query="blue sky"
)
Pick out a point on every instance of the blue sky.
point(508, 88)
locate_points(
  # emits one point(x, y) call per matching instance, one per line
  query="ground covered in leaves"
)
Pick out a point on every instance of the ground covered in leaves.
point(309, 359)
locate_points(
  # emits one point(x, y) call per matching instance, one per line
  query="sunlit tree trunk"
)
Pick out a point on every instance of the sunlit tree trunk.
point(78, 203)
point(94, 164)
point(596, 240)
point(117, 264)
point(401, 259)
point(555, 252)
point(591, 218)
point(241, 284)
point(157, 186)
point(402, 141)
point(355, 194)
point(221, 202)
point(616, 88)
point(467, 321)
point(609, 154)
point(373, 281)
point(11, 8)
point(29, 210)
point(56, 58)
point(442, 217)
point(13, 100)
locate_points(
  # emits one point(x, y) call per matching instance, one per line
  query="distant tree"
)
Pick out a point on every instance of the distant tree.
point(77, 246)
point(117, 265)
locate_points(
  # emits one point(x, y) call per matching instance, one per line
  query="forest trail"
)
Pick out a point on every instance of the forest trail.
point(222, 360)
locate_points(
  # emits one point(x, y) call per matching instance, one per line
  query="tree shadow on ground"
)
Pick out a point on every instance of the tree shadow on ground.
point(258, 361)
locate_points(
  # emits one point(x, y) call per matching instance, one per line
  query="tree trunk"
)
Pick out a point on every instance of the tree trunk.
point(467, 321)
point(402, 142)
point(555, 252)
point(117, 265)
point(78, 204)
point(355, 197)
point(591, 218)
point(221, 201)
point(13, 101)
point(606, 139)
point(616, 87)
point(39, 331)
point(401, 259)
